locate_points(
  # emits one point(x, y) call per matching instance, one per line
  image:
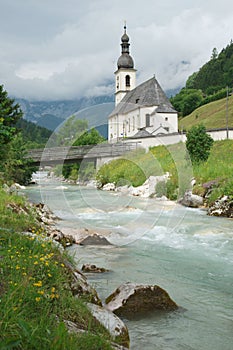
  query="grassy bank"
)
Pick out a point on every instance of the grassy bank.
point(35, 297)
point(137, 167)
point(212, 115)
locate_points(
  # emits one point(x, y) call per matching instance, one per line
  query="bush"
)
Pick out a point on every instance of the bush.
point(198, 144)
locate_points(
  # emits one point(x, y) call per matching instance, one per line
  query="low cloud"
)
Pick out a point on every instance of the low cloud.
point(74, 51)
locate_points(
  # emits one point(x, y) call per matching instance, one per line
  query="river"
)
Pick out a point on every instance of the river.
point(180, 249)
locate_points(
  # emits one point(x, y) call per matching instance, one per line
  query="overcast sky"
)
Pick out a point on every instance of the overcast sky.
point(65, 49)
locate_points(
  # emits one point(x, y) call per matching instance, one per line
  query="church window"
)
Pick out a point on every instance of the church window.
point(133, 123)
point(137, 100)
point(129, 124)
point(138, 121)
point(166, 119)
point(147, 120)
point(127, 80)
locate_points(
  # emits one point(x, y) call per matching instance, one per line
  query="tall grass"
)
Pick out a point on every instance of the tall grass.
point(35, 297)
point(135, 168)
point(218, 167)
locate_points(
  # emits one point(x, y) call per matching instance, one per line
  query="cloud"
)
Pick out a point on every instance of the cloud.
point(58, 49)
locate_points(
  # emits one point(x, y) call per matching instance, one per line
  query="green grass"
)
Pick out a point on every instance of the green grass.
point(212, 115)
point(35, 297)
point(137, 167)
point(219, 167)
point(173, 159)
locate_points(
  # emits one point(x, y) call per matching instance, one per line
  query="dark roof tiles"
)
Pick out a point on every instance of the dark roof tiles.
point(147, 94)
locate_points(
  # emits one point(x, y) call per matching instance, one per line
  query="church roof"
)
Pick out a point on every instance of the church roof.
point(147, 94)
point(140, 134)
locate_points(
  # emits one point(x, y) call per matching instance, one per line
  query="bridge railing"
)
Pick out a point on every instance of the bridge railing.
point(66, 153)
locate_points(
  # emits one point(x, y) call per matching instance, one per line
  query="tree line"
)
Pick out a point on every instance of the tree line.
point(209, 84)
point(18, 135)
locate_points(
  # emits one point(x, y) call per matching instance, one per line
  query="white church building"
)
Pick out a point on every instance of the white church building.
point(140, 111)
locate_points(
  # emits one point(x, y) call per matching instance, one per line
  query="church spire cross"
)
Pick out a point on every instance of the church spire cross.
point(124, 26)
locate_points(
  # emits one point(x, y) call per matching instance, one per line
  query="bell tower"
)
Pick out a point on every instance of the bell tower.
point(125, 76)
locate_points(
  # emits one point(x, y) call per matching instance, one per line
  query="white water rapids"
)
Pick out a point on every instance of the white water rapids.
point(182, 250)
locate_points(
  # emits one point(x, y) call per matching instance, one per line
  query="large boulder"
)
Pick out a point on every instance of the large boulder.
point(148, 189)
point(112, 323)
point(191, 200)
point(131, 300)
point(222, 207)
point(95, 240)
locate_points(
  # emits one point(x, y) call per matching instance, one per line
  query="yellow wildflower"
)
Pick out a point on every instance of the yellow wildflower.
point(38, 298)
point(38, 284)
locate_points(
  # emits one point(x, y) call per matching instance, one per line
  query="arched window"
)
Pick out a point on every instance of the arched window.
point(127, 80)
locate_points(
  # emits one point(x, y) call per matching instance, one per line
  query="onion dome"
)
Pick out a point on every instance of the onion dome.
point(125, 60)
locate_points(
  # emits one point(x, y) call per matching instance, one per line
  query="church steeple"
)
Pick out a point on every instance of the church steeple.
point(125, 60)
point(126, 74)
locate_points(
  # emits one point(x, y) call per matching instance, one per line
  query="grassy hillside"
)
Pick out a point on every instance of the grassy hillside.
point(212, 115)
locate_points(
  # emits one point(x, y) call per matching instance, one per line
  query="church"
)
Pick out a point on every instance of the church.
point(140, 111)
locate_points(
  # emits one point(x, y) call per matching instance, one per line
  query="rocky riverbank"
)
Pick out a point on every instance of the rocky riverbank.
point(223, 206)
point(132, 304)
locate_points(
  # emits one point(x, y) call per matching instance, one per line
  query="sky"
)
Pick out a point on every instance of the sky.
point(67, 49)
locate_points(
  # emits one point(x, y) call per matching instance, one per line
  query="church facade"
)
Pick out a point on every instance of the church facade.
point(140, 111)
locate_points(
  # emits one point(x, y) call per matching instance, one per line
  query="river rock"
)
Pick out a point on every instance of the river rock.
point(131, 300)
point(88, 268)
point(110, 321)
point(222, 207)
point(148, 189)
point(94, 240)
point(109, 187)
point(80, 287)
point(191, 200)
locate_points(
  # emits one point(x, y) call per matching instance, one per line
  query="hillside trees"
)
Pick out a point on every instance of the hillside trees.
point(33, 135)
point(208, 84)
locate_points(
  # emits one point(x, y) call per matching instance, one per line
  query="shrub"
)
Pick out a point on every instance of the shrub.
point(198, 144)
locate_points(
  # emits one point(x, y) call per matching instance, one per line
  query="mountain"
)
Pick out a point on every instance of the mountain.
point(51, 114)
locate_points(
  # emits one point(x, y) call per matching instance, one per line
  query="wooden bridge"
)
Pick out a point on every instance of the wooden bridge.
point(70, 154)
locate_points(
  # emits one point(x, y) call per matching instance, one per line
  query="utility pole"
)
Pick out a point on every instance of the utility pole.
point(227, 129)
